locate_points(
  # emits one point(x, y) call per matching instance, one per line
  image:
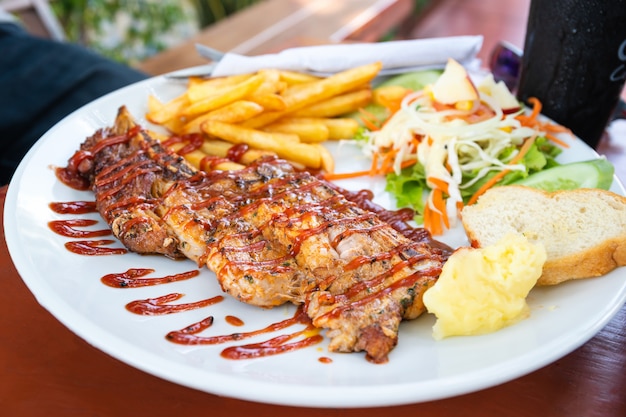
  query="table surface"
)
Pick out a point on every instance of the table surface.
point(272, 25)
point(47, 370)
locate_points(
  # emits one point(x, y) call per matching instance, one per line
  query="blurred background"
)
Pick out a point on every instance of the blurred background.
point(131, 31)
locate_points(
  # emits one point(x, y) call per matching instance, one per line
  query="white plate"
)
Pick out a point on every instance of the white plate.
point(419, 369)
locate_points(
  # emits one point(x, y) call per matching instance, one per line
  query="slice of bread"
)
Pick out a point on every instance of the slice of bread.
point(583, 231)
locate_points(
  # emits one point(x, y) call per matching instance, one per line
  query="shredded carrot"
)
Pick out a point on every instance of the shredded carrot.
point(440, 205)
point(435, 217)
point(426, 218)
point(439, 183)
point(392, 105)
point(408, 163)
point(384, 169)
point(435, 222)
point(369, 120)
point(555, 128)
point(496, 178)
point(369, 124)
point(556, 140)
point(536, 107)
point(532, 121)
point(387, 162)
point(374, 166)
point(432, 223)
point(368, 114)
point(346, 175)
point(415, 143)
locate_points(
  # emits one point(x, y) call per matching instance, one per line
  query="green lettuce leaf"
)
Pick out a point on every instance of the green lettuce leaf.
point(410, 190)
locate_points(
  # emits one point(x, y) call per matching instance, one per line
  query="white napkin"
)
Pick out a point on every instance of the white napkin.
point(396, 56)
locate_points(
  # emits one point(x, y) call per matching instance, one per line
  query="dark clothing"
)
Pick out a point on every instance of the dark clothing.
point(42, 81)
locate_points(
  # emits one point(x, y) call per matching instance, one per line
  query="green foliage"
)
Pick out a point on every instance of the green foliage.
point(125, 30)
point(211, 11)
point(419, 8)
point(132, 30)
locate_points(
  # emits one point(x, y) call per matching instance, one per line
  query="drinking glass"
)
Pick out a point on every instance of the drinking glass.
point(574, 62)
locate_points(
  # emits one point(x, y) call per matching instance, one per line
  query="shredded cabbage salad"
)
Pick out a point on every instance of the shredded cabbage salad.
point(438, 158)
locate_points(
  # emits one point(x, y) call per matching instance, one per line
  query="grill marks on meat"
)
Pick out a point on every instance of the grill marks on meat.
point(272, 235)
point(122, 165)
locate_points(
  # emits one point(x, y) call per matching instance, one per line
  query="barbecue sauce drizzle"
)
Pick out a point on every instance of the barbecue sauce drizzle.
point(68, 228)
point(119, 175)
point(158, 306)
point(94, 247)
point(129, 279)
point(192, 142)
point(73, 207)
point(279, 344)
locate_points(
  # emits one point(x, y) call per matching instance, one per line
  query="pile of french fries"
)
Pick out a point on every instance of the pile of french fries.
point(285, 113)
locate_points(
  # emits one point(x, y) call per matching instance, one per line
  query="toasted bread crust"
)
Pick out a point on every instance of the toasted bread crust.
point(562, 218)
point(594, 262)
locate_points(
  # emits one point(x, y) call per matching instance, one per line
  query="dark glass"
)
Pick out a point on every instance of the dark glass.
point(575, 62)
point(505, 62)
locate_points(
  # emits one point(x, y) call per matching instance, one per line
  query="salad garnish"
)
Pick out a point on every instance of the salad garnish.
point(442, 146)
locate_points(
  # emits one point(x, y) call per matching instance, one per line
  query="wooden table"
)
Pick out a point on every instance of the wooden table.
point(273, 25)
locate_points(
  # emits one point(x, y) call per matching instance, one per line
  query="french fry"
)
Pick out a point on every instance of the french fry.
point(270, 101)
point(338, 105)
point(223, 96)
point(160, 136)
point(317, 91)
point(205, 161)
point(222, 149)
point(294, 77)
point(306, 154)
point(166, 111)
point(174, 125)
point(200, 89)
point(234, 112)
point(390, 96)
point(338, 127)
point(194, 80)
point(327, 160)
point(309, 130)
point(271, 83)
point(284, 145)
point(273, 112)
point(341, 127)
point(267, 95)
point(226, 166)
point(217, 147)
point(154, 104)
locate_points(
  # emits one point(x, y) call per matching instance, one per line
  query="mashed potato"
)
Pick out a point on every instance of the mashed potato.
point(483, 290)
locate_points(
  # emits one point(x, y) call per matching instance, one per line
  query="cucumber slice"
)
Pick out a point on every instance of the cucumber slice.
point(596, 173)
point(415, 80)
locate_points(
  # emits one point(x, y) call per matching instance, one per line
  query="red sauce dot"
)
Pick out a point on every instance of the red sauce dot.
point(234, 321)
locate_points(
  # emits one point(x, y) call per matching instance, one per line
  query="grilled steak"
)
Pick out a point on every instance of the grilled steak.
point(271, 235)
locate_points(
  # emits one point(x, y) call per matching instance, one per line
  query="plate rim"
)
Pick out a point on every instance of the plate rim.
point(388, 395)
